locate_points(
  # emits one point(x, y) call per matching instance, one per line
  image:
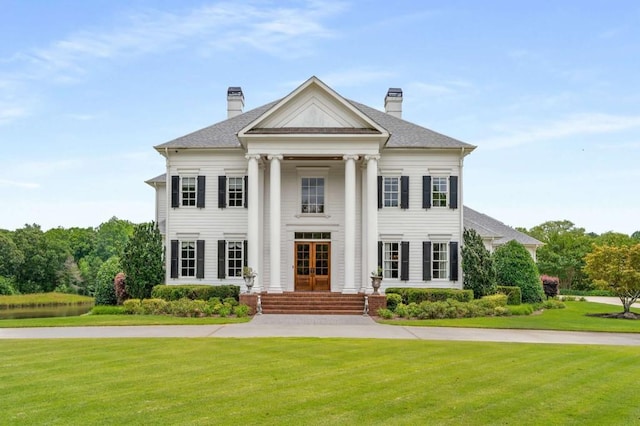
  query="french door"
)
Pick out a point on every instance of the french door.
point(313, 266)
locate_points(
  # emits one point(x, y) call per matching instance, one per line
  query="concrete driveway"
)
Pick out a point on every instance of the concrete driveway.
point(325, 326)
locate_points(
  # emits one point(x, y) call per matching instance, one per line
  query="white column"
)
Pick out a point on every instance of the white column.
point(372, 212)
point(349, 223)
point(253, 226)
point(364, 256)
point(275, 285)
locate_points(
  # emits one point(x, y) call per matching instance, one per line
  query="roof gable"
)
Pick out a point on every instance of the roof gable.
point(313, 108)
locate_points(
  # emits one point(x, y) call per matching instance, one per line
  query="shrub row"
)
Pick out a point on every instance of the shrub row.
point(186, 307)
point(195, 292)
point(570, 292)
point(514, 294)
point(419, 295)
point(494, 305)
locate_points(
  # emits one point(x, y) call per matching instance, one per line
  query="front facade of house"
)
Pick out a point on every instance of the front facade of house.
point(313, 192)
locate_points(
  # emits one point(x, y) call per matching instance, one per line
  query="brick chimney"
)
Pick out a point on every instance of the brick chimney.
point(393, 102)
point(235, 101)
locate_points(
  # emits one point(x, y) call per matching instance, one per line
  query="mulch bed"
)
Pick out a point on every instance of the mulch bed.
point(617, 315)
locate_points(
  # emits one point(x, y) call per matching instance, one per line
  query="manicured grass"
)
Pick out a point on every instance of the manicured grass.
point(43, 299)
point(572, 318)
point(102, 320)
point(314, 381)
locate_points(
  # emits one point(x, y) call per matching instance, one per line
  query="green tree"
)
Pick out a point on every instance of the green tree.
point(616, 268)
point(563, 252)
point(105, 291)
point(112, 237)
point(477, 265)
point(515, 267)
point(143, 261)
point(636, 236)
point(89, 266)
point(44, 257)
point(614, 239)
point(10, 256)
point(69, 278)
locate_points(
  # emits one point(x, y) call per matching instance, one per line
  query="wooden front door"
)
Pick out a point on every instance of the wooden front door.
point(313, 266)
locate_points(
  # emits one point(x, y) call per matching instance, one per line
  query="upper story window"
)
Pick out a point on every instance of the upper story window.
point(188, 191)
point(440, 260)
point(391, 191)
point(188, 259)
point(312, 192)
point(235, 191)
point(439, 191)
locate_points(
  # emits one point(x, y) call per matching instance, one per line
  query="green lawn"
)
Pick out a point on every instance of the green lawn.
point(573, 318)
point(314, 381)
point(102, 320)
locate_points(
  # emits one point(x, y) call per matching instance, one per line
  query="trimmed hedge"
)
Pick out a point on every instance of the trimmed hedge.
point(195, 292)
point(419, 295)
point(514, 294)
point(571, 292)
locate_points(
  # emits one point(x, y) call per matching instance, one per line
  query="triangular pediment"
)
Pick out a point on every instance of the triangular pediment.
point(313, 108)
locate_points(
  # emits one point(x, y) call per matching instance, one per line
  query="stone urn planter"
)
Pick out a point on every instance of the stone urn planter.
point(376, 280)
point(248, 274)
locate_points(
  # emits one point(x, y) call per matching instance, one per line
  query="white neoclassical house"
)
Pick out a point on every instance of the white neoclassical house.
point(314, 192)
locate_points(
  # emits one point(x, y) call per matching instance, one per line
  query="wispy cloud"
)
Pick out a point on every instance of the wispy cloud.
point(279, 30)
point(575, 125)
point(10, 113)
point(16, 184)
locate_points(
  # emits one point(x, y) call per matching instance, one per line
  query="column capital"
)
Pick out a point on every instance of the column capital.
point(350, 157)
point(275, 157)
point(370, 157)
point(253, 157)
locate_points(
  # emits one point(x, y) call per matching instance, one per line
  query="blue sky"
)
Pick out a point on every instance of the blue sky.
point(547, 90)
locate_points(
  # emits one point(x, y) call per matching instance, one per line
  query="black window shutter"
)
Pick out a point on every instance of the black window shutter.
point(200, 259)
point(222, 192)
point(404, 261)
point(426, 260)
point(379, 255)
point(175, 191)
point(174, 258)
point(244, 248)
point(222, 259)
point(453, 192)
point(379, 192)
point(404, 192)
point(426, 192)
point(246, 192)
point(201, 190)
point(453, 263)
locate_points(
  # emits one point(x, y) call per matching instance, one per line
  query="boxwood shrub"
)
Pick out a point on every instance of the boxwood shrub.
point(514, 294)
point(419, 295)
point(195, 292)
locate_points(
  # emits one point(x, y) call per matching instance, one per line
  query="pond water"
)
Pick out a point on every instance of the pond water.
point(46, 311)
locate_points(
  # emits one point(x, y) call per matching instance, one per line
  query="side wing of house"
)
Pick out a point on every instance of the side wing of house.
point(495, 233)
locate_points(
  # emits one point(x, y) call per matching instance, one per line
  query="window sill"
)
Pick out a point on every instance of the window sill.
point(299, 215)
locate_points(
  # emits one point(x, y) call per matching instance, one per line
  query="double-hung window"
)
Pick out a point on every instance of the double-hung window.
point(235, 191)
point(391, 191)
point(188, 259)
point(235, 258)
point(189, 191)
point(440, 261)
point(312, 195)
point(439, 191)
point(391, 260)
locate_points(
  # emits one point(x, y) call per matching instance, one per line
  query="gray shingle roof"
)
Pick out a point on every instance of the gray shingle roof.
point(489, 227)
point(158, 179)
point(403, 133)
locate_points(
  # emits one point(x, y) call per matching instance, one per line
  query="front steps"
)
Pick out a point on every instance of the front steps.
point(314, 303)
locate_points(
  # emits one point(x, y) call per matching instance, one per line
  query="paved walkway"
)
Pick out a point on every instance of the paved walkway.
point(346, 326)
point(323, 326)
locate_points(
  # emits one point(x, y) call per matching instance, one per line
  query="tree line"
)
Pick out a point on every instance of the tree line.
point(80, 260)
